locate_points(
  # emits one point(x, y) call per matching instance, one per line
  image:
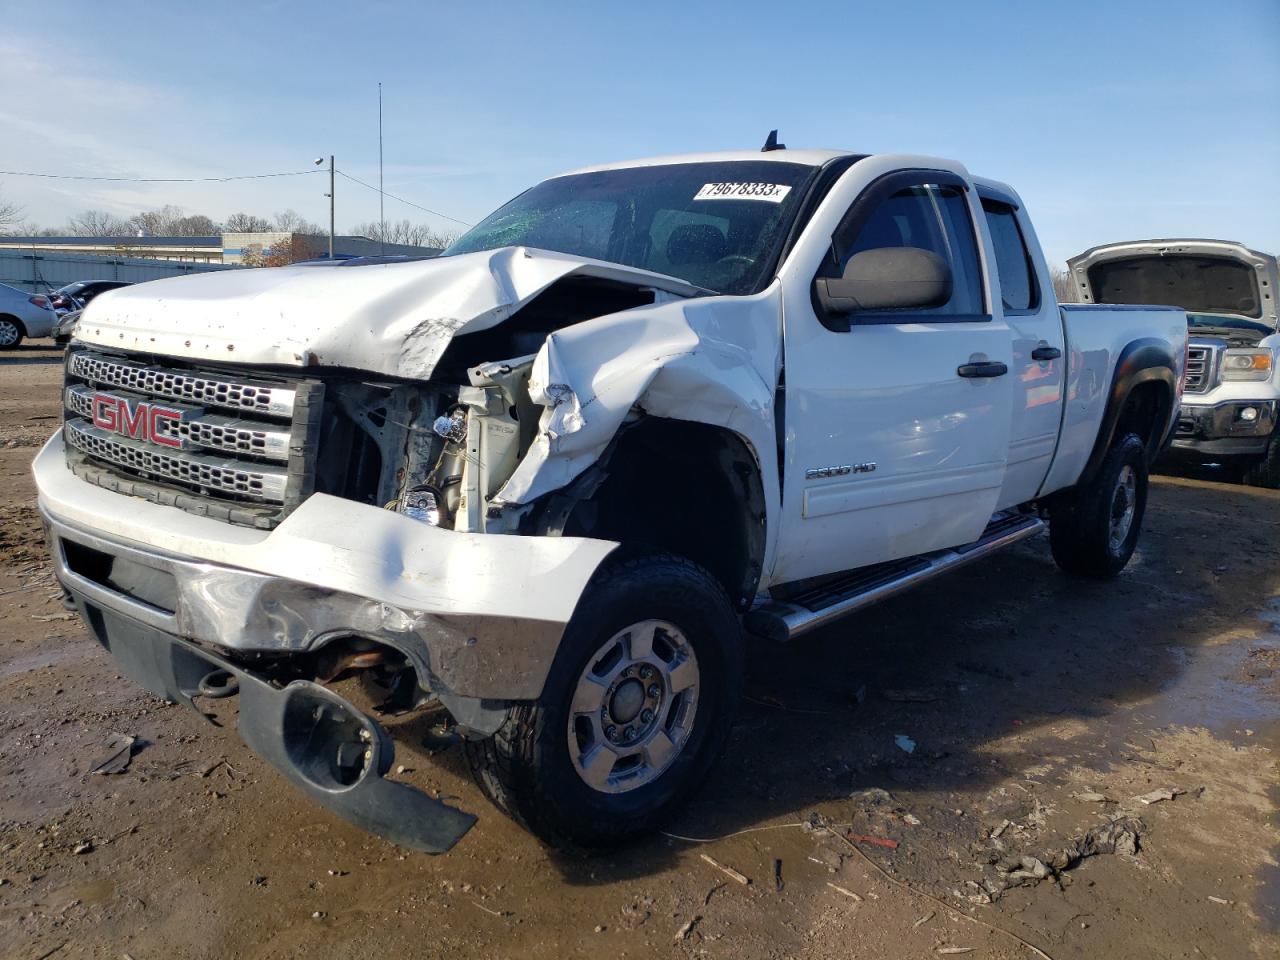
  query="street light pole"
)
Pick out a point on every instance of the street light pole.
point(318, 161)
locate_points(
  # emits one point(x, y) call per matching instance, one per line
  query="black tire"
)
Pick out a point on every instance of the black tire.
point(1080, 520)
point(527, 769)
point(1266, 471)
point(11, 327)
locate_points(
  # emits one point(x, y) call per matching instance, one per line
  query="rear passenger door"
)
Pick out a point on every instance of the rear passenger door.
point(1031, 312)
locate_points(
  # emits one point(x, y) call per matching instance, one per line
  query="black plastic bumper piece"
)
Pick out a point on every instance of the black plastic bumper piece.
point(328, 749)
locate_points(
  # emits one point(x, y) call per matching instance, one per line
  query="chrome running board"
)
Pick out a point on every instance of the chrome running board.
point(824, 600)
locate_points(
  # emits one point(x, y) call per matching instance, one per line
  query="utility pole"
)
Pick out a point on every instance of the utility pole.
point(382, 214)
point(318, 161)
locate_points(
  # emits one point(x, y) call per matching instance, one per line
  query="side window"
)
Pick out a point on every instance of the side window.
point(1018, 288)
point(932, 217)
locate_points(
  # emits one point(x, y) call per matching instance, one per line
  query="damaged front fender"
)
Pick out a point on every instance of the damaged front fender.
point(709, 360)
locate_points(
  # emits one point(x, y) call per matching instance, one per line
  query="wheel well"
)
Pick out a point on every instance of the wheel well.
point(1146, 412)
point(21, 326)
point(686, 488)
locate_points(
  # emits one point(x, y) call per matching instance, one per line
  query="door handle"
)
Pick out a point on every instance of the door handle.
point(982, 369)
point(1045, 352)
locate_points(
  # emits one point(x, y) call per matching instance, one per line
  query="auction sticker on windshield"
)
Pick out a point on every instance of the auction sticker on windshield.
point(769, 192)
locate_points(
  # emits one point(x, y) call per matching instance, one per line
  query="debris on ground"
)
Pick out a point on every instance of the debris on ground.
point(636, 913)
point(777, 876)
point(687, 928)
point(872, 796)
point(84, 846)
point(1156, 796)
point(905, 743)
point(1088, 796)
point(208, 768)
point(848, 893)
point(948, 951)
point(925, 919)
point(873, 841)
point(729, 872)
point(118, 753)
point(1118, 836)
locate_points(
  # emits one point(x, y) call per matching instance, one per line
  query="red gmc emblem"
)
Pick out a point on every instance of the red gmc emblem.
point(137, 419)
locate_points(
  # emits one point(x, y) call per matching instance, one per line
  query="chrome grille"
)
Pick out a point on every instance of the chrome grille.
point(207, 430)
point(211, 442)
point(222, 476)
point(1199, 375)
point(181, 385)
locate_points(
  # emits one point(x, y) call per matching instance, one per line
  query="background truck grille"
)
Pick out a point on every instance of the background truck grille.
point(237, 447)
point(1199, 375)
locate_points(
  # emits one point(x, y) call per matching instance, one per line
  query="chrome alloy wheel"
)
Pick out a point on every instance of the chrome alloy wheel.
point(9, 333)
point(1124, 502)
point(633, 707)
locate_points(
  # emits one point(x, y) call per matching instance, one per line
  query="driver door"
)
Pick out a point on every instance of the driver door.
point(894, 445)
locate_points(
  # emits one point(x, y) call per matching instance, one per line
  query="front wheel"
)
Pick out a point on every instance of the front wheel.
point(635, 710)
point(1265, 472)
point(11, 333)
point(1093, 529)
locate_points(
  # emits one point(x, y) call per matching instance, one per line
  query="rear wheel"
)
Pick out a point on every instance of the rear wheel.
point(636, 708)
point(11, 333)
point(1094, 528)
point(1266, 472)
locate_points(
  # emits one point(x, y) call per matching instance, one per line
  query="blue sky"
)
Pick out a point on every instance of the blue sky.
point(1114, 120)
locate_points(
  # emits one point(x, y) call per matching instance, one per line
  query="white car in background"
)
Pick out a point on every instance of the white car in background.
point(23, 315)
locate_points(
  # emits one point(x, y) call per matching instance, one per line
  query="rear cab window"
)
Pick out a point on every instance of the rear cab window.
point(1018, 287)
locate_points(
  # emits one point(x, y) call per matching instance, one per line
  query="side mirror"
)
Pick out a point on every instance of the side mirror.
point(888, 278)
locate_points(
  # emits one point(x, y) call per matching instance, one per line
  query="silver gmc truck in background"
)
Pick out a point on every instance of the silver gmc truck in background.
point(1229, 402)
point(548, 478)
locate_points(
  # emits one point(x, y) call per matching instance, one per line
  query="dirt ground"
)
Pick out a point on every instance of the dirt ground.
point(1039, 707)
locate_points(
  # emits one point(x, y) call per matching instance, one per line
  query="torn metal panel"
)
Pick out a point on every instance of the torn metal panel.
point(712, 361)
point(390, 318)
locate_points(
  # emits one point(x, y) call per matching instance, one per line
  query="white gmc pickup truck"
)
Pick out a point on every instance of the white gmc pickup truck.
point(547, 479)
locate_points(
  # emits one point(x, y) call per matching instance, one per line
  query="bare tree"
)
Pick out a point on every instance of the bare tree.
point(97, 223)
point(404, 231)
point(1064, 288)
point(246, 223)
point(171, 221)
point(290, 221)
point(196, 225)
point(10, 215)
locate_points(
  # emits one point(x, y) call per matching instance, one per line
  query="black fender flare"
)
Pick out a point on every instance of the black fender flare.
point(1144, 360)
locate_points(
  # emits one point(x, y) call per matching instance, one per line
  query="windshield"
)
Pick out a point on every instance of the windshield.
point(715, 225)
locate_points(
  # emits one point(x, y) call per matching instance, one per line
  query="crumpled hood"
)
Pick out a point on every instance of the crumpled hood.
point(388, 318)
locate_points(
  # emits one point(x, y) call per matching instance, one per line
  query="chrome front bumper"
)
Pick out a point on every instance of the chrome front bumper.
point(478, 616)
point(1220, 430)
point(246, 612)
